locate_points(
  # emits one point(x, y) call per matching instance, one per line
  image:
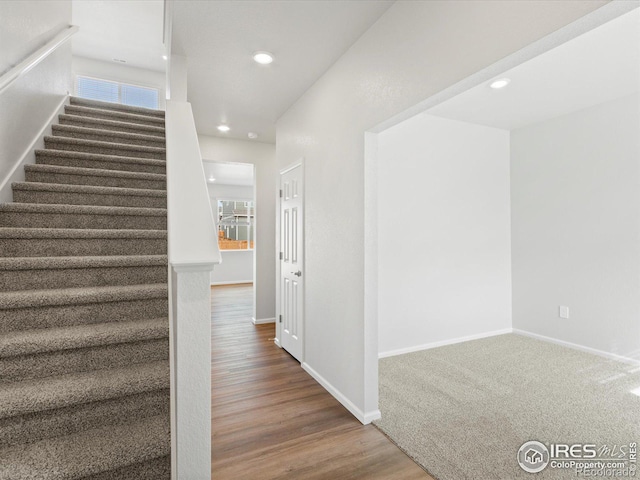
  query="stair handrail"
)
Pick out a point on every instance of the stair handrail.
point(10, 76)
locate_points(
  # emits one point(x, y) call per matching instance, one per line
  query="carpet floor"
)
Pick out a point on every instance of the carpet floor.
point(84, 330)
point(463, 411)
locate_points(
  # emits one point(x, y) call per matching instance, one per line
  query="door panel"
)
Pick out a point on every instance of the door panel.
point(292, 268)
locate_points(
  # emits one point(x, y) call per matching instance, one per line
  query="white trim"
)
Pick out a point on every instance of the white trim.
point(364, 417)
point(277, 342)
point(234, 282)
point(442, 343)
point(25, 66)
point(28, 156)
point(582, 348)
point(261, 321)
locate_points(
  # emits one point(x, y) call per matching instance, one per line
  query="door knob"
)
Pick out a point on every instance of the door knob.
point(298, 273)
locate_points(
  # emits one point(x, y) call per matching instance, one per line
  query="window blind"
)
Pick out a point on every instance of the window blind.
point(108, 91)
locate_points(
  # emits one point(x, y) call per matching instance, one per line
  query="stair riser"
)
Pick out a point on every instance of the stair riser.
point(65, 247)
point(120, 166)
point(157, 469)
point(117, 116)
point(69, 315)
point(82, 360)
point(69, 198)
point(64, 421)
point(117, 107)
point(62, 220)
point(87, 123)
point(81, 277)
point(100, 181)
point(103, 149)
point(121, 139)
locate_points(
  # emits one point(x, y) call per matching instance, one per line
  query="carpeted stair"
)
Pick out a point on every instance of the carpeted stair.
point(84, 332)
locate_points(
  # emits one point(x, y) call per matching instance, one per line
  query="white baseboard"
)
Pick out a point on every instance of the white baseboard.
point(260, 321)
point(277, 342)
point(28, 157)
point(582, 348)
point(235, 282)
point(428, 346)
point(364, 418)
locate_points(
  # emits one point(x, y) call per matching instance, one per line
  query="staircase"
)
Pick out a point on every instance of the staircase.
point(84, 347)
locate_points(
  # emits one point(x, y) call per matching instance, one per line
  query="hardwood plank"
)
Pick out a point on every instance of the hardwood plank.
point(271, 420)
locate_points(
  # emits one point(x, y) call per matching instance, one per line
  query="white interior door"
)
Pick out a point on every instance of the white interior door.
point(292, 261)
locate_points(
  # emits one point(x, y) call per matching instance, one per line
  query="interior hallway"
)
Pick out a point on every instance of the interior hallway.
point(271, 420)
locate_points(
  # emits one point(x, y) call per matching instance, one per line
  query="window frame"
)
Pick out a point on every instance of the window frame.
point(251, 226)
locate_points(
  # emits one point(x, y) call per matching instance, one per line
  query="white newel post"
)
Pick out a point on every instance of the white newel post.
point(193, 252)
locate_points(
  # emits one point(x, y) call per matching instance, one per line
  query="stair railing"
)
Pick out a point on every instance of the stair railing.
point(10, 76)
point(193, 252)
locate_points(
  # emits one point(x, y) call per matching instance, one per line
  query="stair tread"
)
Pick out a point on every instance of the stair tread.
point(52, 152)
point(45, 263)
point(22, 232)
point(91, 189)
point(112, 123)
point(80, 296)
point(116, 106)
point(28, 342)
point(56, 129)
point(97, 172)
point(48, 393)
point(79, 110)
point(53, 208)
point(106, 145)
point(89, 452)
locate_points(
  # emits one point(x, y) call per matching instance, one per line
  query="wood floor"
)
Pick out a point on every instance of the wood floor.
point(271, 420)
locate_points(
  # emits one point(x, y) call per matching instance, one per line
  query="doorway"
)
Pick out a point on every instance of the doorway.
point(232, 195)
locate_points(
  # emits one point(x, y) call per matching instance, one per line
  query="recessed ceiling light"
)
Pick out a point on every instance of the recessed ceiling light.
point(263, 58)
point(252, 135)
point(500, 83)
point(211, 180)
point(224, 128)
point(164, 57)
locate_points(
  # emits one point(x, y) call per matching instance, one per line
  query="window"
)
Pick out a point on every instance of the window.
point(108, 91)
point(236, 227)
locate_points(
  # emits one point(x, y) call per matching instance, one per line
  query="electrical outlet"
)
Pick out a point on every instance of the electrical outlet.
point(563, 311)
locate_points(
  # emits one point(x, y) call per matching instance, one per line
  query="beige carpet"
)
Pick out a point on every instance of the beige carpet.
point(463, 411)
point(84, 331)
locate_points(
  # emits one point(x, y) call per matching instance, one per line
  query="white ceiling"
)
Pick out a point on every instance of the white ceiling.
point(600, 65)
point(229, 173)
point(129, 30)
point(219, 37)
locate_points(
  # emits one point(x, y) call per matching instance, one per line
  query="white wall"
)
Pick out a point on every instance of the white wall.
point(231, 192)
point(262, 155)
point(415, 50)
point(118, 72)
point(237, 265)
point(444, 233)
point(576, 227)
point(28, 105)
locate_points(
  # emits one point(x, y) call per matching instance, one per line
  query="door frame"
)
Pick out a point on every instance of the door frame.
point(298, 163)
